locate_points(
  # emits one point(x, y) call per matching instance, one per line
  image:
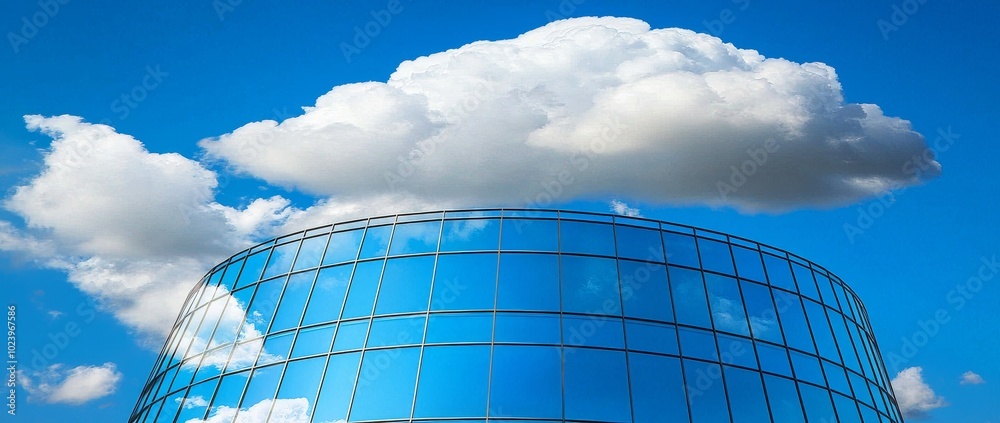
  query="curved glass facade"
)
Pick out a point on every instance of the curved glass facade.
point(518, 315)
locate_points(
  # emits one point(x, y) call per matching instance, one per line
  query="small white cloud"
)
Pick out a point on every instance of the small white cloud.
point(192, 402)
point(54, 314)
point(914, 396)
point(971, 378)
point(619, 207)
point(292, 410)
point(75, 386)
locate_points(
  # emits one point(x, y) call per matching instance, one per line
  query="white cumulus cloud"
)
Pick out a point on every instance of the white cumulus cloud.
point(914, 396)
point(75, 386)
point(972, 378)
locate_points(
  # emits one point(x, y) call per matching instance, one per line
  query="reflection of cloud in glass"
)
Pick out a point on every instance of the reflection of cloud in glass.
point(463, 229)
point(293, 410)
point(762, 324)
point(193, 402)
point(728, 315)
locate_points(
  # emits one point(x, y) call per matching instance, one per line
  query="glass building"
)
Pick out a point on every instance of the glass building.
point(516, 316)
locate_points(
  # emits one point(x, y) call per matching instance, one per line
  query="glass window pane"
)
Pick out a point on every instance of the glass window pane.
point(597, 385)
point(229, 278)
point(593, 331)
point(293, 301)
point(299, 386)
point(528, 282)
point(783, 399)
point(328, 294)
point(816, 402)
point(195, 404)
point(465, 282)
point(697, 343)
point(311, 252)
point(244, 354)
point(351, 335)
point(386, 392)
point(252, 269)
point(262, 386)
point(688, 292)
point(376, 242)
point(470, 235)
point(586, 238)
point(639, 243)
point(727, 304)
point(652, 337)
point(314, 340)
point(645, 291)
point(715, 256)
point(406, 285)
point(748, 264)
point(276, 348)
point(736, 350)
point(590, 285)
point(170, 406)
point(389, 331)
point(779, 273)
point(527, 328)
point(746, 396)
point(706, 392)
point(793, 321)
point(826, 291)
point(836, 377)
point(681, 249)
point(415, 238)
point(804, 279)
point(343, 246)
point(526, 382)
point(773, 359)
point(364, 284)
point(281, 260)
point(860, 388)
point(807, 368)
point(338, 385)
point(844, 340)
point(460, 327)
point(453, 381)
point(760, 312)
point(529, 235)
point(261, 310)
point(657, 388)
point(821, 331)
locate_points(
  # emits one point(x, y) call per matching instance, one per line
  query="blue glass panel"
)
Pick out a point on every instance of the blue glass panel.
point(657, 388)
point(415, 238)
point(697, 343)
point(821, 331)
point(281, 260)
point(328, 294)
point(748, 264)
point(527, 328)
point(300, 384)
point(385, 391)
point(453, 381)
point(760, 312)
point(807, 368)
point(470, 235)
point(590, 285)
point(638, 243)
point(596, 385)
point(364, 284)
point(688, 292)
point(343, 246)
point(652, 337)
point(773, 359)
point(351, 335)
point(261, 310)
point(276, 348)
point(252, 268)
point(314, 340)
point(169, 409)
point(338, 385)
point(465, 282)
point(843, 340)
point(529, 235)
point(230, 391)
point(726, 304)
point(311, 252)
point(528, 282)
point(705, 392)
point(244, 354)
point(195, 404)
point(460, 327)
point(847, 409)
point(715, 256)
point(736, 350)
point(836, 377)
point(390, 331)
point(593, 331)
point(263, 385)
point(783, 399)
point(375, 244)
point(586, 238)
point(645, 291)
point(779, 273)
point(232, 271)
point(526, 382)
point(793, 321)
point(293, 301)
point(746, 396)
point(681, 249)
point(804, 279)
point(406, 285)
point(860, 388)
point(826, 290)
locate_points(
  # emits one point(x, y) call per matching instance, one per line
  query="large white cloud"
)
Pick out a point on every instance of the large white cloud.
point(612, 107)
point(914, 396)
point(81, 384)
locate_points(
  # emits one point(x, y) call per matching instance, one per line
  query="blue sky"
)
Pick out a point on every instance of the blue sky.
point(107, 224)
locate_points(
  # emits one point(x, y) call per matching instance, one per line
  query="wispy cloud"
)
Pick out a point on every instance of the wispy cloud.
point(75, 386)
